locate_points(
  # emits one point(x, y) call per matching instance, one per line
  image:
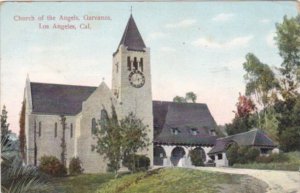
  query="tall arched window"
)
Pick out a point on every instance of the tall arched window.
point(71, 130)
point(55, 130)
point(128, 63)
point(40, 129)
point(94, 126)
point(141, 65)
point(135, 64)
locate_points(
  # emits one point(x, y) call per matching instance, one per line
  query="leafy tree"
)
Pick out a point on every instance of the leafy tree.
point(136, 162)
point(4, 125)
point(288, 42)
point(260, 80)
point(109, 139)
point(134, 136)
point(191, 96)
point(179, 99)
point(22, 137)
point(197, 157)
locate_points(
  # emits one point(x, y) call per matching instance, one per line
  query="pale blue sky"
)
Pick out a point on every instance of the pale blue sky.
point(196, 47)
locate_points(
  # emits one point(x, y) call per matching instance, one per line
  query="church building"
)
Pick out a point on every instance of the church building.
point(174, 128)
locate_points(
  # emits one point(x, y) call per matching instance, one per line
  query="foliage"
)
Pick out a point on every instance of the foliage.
point(134, 135)
point(22, 137)
point(288, 42)
point(179, 99)
point(4, 125)
point(16, 178)
point(283, 161)
point(245, 106)
point(136, 162)
point(109, 139)
point(196, 157)
point(189, 97)
point(242, 154)
point(260, 80)
point(75, 166)
point(52, 166)
point(175, 180)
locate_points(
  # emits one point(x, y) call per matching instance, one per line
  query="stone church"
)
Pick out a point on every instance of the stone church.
point(175, 128)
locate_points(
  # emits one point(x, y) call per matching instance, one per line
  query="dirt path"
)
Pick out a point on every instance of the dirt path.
point(278, 181)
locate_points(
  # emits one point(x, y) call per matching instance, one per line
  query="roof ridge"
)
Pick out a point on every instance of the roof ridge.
point(62, 84)
point(237, 134)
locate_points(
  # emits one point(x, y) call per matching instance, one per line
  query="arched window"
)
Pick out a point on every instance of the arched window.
point(94, 126)
point(55, 130)
point(135, 64)
point(40, 129)
point(71, 130)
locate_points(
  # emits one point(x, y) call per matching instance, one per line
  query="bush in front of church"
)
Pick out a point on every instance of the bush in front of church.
point(136, 162)
point(196, 158)
point(52, 166)
point(75, 166)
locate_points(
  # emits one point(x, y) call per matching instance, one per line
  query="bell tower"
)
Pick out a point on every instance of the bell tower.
point(131, 79)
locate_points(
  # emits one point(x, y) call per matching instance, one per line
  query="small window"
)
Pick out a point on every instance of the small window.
point(141, 65)
point(71, 130)
point(94, 126)
point(128, 64)
point(135, 64)
point(220, 156)
point(194, 131)
point(40, 129)
point(117, 67)
point(55, 130)
point(175, 131)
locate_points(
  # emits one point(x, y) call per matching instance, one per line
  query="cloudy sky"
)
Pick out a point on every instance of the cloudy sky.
point(196, 47)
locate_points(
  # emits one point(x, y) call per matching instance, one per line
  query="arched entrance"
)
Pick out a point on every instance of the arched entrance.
point(198, 153)
point(176, 154)
point(159, 155)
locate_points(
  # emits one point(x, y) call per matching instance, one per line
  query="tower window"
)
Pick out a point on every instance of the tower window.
point(71, 130)
point(55, 130)
point(40, 129)
point(128, 64)
point(141, 65)
point(94, 127)
point(135, 63)
point(117, 67)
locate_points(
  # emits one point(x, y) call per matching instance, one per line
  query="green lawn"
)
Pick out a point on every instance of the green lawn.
point(292, 164)
point(170, 180)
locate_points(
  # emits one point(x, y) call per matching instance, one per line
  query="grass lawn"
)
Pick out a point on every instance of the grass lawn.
point(85, 183)
point(292, 164)
point(169, 180)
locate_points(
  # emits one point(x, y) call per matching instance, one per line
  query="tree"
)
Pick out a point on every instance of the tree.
point(191, 96)
point(109, 139)
point(4, 125)
point(260, 81)
point(22, 137)
point(134, 137)
point(179, 99)
point(288, 42)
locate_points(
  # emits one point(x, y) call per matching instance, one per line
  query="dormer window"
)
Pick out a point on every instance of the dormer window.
point(175, 131)
point(194, 131)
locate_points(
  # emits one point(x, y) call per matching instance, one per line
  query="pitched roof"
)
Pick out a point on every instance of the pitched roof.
point(58, 99)
point(132, 38)
point(184, 117)
point(254, 137)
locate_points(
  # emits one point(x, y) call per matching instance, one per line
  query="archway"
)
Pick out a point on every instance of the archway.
point(199, 153)
point(159, 155)
point(176, 154)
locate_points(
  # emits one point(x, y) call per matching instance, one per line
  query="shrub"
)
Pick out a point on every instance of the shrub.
point(52, 166)
point(75, 166)
point(274, 157)
point(242, 155)
point(196, 158)
point(136, 162)
point(251, 154)
point(232, 154)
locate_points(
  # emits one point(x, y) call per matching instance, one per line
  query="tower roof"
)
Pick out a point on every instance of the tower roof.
point(132, 38)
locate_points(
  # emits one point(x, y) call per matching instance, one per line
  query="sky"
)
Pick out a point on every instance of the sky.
point(195, 46)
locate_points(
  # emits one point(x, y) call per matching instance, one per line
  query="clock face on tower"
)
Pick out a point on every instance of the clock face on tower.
point(136, 79)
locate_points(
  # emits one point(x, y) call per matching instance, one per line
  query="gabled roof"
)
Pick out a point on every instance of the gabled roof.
point(184, 117)
point(254, 137)
point(132, 38)
point(58, 99)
